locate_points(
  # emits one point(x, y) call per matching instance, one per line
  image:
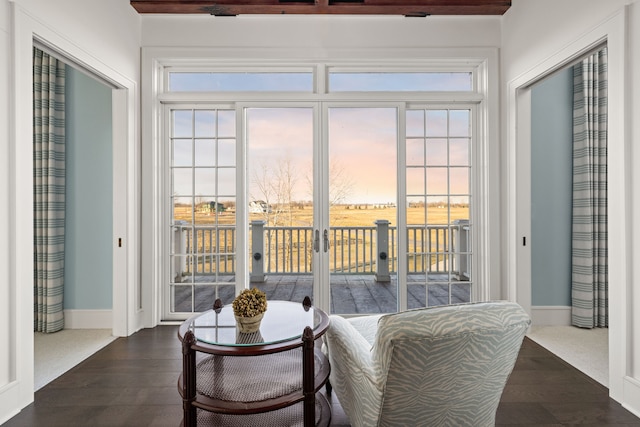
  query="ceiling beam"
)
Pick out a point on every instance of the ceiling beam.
point(325, 7)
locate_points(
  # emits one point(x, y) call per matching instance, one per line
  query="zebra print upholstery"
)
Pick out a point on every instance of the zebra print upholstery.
point(438, 366)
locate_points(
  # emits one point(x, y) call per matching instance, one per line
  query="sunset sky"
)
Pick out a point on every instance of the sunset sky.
point(362, 144)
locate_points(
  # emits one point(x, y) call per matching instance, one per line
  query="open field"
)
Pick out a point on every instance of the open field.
point(342, 216)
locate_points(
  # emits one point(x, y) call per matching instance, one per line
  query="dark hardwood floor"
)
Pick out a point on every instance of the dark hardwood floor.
point(133, 382)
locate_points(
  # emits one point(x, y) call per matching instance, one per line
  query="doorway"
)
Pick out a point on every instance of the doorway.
point(88, 232)
point(549, 172)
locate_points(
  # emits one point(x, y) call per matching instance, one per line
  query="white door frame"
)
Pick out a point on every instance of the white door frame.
point(613, 31)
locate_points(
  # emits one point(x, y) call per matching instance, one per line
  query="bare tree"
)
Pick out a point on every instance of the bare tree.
point(341, 183)
point(262, 182)
point(276, 186)
point(287, 176)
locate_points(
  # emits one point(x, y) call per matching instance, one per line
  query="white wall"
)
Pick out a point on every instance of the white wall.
point(531, 50)
point(319, 31)
point(551, 191)
point(88, 257)
point(6, 303)
point(526, 42)
point(103, 37)
point(107, 30)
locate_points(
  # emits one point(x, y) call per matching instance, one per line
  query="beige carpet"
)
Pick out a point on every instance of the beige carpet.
point(585, 349)
point(55, 354)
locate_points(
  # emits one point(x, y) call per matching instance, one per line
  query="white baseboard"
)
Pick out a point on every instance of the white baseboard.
point(550, 315)
point(631, 395)
point(88, 319)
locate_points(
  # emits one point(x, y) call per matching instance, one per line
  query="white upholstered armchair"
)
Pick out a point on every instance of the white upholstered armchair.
point(439, 366)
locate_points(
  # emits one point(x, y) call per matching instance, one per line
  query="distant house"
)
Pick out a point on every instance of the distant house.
point(212, 207)
point(259, 206)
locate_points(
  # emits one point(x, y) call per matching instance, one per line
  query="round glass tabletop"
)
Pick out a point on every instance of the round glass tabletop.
point(283, 321)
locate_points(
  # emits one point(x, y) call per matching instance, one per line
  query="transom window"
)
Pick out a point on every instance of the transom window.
point(399, 82)
point(240, 81)
point(303, 81)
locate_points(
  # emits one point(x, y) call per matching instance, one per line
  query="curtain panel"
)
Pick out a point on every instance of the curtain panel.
point(589, 290)
point(48, 190)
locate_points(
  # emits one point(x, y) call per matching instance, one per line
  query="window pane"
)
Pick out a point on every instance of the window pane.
point(226, 181)
point(415, 123)
point(415, 181)
point(205, 179)
point(415, 152)
point(240, 82)
point(437, 212)
point(226, 152)
point(459, 180)
point(436, 152)
point(399, 82)
point(436, 123)
point(205, 152)
point(460, 207)
point(459, 122)
point(459, 152)
point(182, 211)
point(182, 182)
point(182, 124)
point(226, 123)
point(182, 155)
point(205, 123)
point(437, 181)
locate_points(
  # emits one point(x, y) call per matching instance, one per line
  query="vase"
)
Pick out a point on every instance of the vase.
point(249, 325)
point(254, 338)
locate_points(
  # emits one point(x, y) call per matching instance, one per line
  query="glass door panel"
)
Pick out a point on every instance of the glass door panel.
point(203, 202)
point(362, 181)
point(280, 198)
point(438, 171)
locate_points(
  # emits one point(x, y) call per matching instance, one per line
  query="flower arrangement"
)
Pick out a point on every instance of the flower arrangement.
point(249, 303)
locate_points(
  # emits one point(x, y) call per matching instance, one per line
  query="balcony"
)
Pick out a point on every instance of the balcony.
point(363, 265)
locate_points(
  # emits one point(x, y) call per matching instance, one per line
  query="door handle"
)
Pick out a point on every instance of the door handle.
point(316, 242)
point(326, 240)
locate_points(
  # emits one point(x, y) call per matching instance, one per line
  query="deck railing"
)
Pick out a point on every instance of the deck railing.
point(208, 250)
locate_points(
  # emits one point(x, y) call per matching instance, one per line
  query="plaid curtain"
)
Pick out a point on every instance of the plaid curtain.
point(48, 191)
point(589, 291)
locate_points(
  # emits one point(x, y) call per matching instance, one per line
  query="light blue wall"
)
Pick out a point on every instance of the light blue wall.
point(89, 216)
point(551, 162)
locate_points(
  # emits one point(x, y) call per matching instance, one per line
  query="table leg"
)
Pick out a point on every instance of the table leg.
point(308, 386)
point(190, 415)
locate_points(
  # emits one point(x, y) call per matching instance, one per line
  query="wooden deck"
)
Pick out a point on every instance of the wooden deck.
point(350, 293)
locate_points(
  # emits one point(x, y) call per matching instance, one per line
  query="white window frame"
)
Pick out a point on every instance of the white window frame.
point(482, 62)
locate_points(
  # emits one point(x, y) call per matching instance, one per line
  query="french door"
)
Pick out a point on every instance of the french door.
point(364, 208)
point(362, 186)
point(400, 202)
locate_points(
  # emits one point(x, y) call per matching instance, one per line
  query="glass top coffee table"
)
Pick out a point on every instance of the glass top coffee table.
point(280, 381)
point(283, 321)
